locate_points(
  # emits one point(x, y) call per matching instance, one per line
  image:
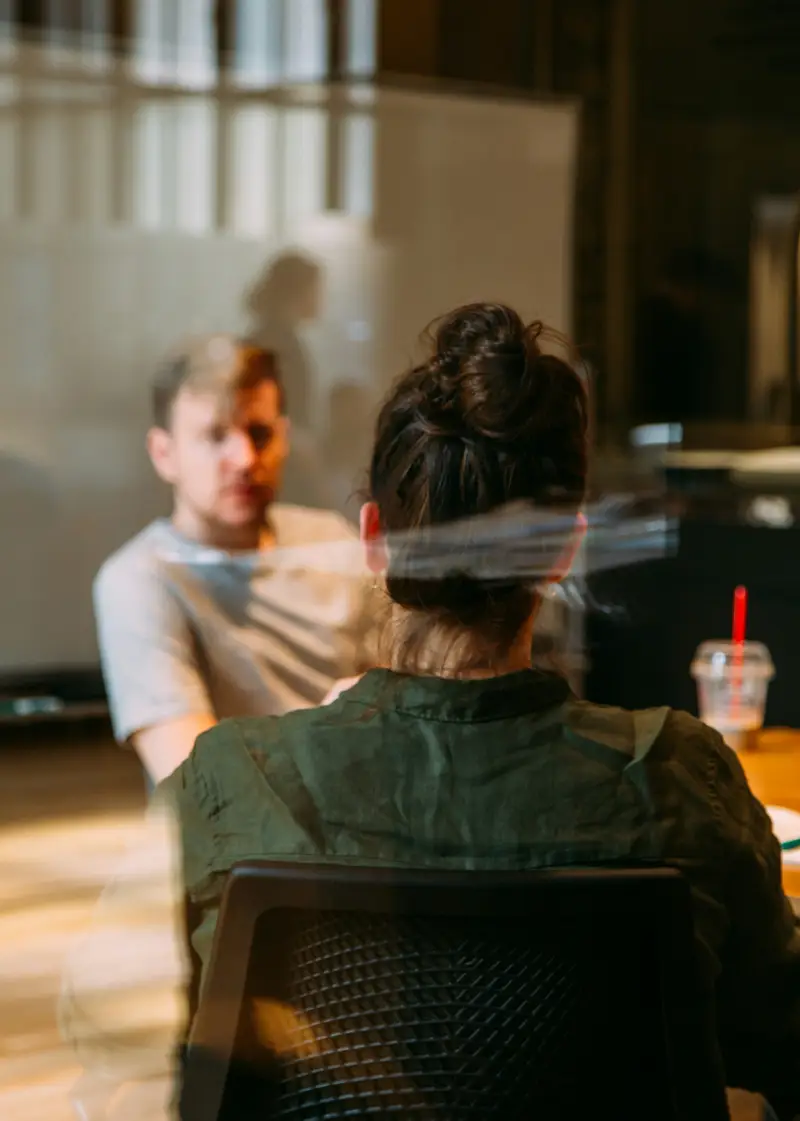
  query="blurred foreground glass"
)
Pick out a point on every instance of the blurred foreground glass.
point(732, 681)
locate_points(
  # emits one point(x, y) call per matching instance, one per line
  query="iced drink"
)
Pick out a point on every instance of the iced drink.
point(732, 686)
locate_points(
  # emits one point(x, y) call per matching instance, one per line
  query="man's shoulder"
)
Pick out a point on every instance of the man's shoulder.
point(308, 525)
point(137, 560)
point(317, 541)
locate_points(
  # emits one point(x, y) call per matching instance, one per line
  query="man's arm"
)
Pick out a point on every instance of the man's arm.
point(163, 747)
point(158, 698)
point(338, 688)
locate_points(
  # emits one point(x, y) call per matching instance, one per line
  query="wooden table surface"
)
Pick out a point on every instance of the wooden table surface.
point(773, 771)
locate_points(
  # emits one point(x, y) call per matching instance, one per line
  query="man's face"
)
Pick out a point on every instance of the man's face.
point(223, 461)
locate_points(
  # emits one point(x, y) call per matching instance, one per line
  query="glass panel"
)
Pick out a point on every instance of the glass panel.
point(96, 52)
point(8, 33)
point(195, 186)
point(305, 164)
point(306, 40)
point(9, 164)
point(60, 31)
point(150, 60)
point(358, 171)
point(361, 38)
point(253, 169)
point(152, 132)
point(196, 62)
point(94, 129)
point(49, 153)
point(258, 43)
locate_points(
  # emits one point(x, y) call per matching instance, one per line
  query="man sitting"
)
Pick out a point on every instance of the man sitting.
point(236, 605)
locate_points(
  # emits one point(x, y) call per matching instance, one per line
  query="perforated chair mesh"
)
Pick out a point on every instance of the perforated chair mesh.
point(430, 1017)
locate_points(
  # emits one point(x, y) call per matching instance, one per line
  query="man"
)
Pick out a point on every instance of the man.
point(237, 605)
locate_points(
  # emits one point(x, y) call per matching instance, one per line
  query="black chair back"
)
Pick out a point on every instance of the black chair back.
point(361, 993)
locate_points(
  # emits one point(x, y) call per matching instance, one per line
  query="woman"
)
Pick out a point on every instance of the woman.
point(459, 754)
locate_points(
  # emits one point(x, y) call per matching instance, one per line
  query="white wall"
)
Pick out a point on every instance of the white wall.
point(111, 248)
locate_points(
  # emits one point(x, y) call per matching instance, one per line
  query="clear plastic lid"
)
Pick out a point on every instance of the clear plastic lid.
point(721, 658)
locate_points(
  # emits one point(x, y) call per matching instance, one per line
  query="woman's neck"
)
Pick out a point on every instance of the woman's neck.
point(454, 655)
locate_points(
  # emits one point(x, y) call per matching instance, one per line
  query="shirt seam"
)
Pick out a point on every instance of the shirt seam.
point(514, 714)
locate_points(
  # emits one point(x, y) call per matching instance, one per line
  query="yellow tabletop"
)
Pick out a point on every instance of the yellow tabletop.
point(773, 771)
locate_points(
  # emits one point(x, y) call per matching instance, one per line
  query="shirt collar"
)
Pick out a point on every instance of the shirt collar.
point(461, 700)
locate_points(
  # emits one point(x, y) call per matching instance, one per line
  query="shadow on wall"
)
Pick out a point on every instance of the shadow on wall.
point(347, 445)
point(329, 470)
point(287, 294)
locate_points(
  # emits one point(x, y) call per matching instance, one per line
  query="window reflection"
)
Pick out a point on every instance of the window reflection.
point(258, 43)
point(96, 34)
point(195, 46)
point(150, 59)
point(175, 43)
point(361, 35)
point(76, 33)
point(93, 166)
point(156, 162)
point(175, 165)
point(151, 165)
point(8, 36)
point(195, 148)
point(306, 49)
point(305, 155)
point(9, 163)
point(279, 41)
point(49, 156)
point(358, 165)
point(253, 161)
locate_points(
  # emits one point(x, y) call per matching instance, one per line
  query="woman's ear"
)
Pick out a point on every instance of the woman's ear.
point(372, 539)
point(565, 562)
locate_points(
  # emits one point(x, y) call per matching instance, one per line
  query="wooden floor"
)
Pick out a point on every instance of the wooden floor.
point(69, 798)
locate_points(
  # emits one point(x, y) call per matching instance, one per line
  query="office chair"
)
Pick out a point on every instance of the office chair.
point(339, 992)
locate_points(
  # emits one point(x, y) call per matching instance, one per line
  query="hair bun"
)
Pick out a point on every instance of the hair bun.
point(483, 331)
point(483, 376)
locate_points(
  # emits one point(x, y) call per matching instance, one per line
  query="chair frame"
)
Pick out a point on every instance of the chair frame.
point(259, 886)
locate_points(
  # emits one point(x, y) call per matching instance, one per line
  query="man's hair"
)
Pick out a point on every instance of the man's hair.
point(220, 364)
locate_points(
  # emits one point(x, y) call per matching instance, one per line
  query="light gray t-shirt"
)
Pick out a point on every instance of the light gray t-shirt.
point(186, 629)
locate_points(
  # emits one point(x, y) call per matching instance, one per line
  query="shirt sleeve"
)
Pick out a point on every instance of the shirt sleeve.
point(123, 1004)
point(147, 651)
point(758, 995)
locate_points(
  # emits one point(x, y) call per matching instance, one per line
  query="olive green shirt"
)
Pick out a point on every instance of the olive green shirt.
point(505, 773)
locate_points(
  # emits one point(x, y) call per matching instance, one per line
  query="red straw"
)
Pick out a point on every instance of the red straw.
point(739, 629)
point(739, 615)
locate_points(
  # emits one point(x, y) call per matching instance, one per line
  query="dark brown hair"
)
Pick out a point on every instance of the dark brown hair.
point(219, 364)
point(489, 420)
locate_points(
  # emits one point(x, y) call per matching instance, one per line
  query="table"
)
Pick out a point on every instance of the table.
point(773, 771)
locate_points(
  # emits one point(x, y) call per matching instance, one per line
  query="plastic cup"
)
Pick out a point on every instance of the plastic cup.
point(732, 683)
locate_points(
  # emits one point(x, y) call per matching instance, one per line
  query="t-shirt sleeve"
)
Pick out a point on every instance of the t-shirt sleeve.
point(147, 651)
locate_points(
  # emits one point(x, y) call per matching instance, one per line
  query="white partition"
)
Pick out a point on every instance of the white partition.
point(435, 200)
